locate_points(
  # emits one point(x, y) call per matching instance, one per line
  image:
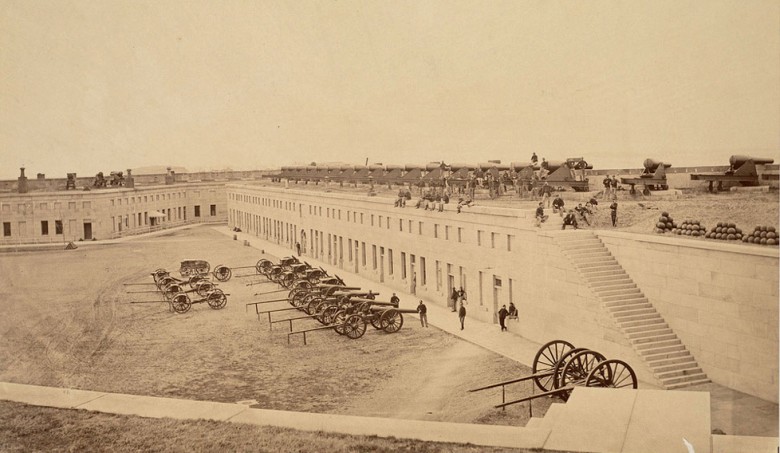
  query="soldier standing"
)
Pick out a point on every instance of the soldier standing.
point(613, 209)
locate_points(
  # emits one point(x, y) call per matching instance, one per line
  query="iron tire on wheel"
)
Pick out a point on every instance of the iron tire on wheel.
point(391, 320)
point(216, 299)
point(222, 273)
point(354, 327)
point(172, 290)
point(329, 314)
point(612, 373)
point(181, 303)
point(546, 359)
point(204, 288)
point(263, 266)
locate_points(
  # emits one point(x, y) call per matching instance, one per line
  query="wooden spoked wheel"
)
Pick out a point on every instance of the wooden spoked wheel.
point(216, 299)
point(222, 273)
point(354, 327)
point(204, 288)
point(546, 359)
point(181, 303)
point(339, 319)
point(611, 373)
point(391, 320)
point(577, 369)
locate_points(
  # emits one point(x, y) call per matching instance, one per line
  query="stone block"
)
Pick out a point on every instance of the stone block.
point(682, 286)
point(709, 290)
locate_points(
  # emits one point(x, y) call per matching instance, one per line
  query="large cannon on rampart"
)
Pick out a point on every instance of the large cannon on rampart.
point(742, 170)
point(652, 178)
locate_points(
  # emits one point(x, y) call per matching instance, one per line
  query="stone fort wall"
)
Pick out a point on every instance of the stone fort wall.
point(498, 257)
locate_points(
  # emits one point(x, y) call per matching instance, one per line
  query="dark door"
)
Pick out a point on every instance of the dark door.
point(87, 231)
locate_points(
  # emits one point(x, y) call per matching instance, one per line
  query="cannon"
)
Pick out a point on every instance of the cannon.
point(742, 170)
point(564, 173)
point(559, 367)
point(652, 178)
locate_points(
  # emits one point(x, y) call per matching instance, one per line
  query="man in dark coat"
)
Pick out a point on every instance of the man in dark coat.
point(462, 315)
point(502, 314)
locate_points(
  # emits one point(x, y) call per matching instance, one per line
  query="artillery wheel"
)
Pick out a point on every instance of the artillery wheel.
point(375, 322)
point(292, 295)
point(354, 327)
point(216, 299)
point(577, 368)
point(329, 314)
point(222, 273)
point(204, 288)
point(159, 273)
point(391, 320)
point(287, 279)
point(181, 303)
point(194, 280)
point(311, 307)
point(263, 266)
point(546, 359)
point(172, 290)
point(646, 191)
point(339, 319)
point(612, 373)
point(165, 281)
point(562, 361)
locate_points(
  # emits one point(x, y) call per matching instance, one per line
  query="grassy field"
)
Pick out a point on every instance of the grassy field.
point(29, 428)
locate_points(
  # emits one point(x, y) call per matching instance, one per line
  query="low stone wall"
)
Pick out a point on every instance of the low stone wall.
point(720, 299)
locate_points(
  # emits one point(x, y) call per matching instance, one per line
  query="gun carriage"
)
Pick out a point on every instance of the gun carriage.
point(742, 171)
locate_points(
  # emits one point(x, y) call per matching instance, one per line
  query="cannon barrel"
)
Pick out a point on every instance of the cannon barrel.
point(433, 166)
point(738, 160)
point(553, 165)
point(410, 167)
point(389, 167)
point(652, 164)
point(460, 166)
point(518, 166)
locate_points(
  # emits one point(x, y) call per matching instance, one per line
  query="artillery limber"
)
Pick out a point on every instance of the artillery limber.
point(742, 170)
point(216, 299)
point(170, 286)
point(224, 273)
point(652, 178)
point(559, 367)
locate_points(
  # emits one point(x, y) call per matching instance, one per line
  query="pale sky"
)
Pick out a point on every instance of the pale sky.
point(90, 86)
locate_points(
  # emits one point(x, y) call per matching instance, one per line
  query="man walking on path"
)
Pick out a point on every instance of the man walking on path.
point(423, 311)
point(613, 209)
point(502, 314)
point(462, 315)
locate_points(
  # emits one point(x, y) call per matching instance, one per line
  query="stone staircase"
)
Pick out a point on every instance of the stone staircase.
point(650, 336)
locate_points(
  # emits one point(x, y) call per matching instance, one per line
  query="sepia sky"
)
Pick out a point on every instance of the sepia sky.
point(91, 86)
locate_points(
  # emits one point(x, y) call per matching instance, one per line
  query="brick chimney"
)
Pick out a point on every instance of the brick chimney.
point(23, 188)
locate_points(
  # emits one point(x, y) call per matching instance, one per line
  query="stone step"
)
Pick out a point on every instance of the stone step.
point(594, 251)
point(534, 422)
point(662, 350)
point(699, 381)
point(645, 328)
point(664, 361)
point(609, 261)
point(615, 280)
point(658, 344)
point(642, 322)
point(580, 244)
point(683, 379)
point(577, 237)
point(620, 292)
point(650, 339)
point(626, 297)
point(683, 365)
point(666, 375)
point(601, 276)
point(624, 284)
point(620, 309)
point(625, 315)
point(616, 303)
point(587, 257)
point(649, 334)
point(667, 355)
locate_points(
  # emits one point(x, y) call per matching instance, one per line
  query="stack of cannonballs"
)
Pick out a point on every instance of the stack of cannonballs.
point(690, 228)
point(665, 223)
point(762, 235)
point(725, 231)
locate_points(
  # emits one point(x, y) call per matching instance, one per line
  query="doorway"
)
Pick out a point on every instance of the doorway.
point(87, 231)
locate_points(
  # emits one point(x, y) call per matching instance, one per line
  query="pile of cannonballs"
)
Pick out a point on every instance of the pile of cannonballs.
point(690, 228)
point(762, 235)
point(665, 223)
point(725, 231)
